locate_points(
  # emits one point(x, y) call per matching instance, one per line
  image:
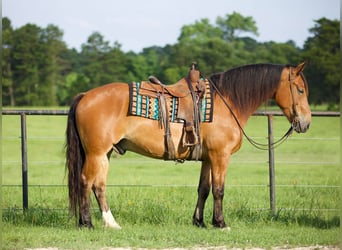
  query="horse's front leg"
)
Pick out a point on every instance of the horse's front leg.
point(203, 192)
point(219, 169)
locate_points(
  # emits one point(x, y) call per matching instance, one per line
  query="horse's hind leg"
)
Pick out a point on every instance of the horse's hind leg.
point(99, 189)
point(84, 200)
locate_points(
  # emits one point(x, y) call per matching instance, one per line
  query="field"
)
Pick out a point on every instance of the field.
point(153, 200)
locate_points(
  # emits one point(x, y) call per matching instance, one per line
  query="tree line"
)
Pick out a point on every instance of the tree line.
point(38, 68)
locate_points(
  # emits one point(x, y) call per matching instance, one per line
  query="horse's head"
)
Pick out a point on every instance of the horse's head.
point(292, 97)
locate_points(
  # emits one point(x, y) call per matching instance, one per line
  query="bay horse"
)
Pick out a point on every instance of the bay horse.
point(98, 123)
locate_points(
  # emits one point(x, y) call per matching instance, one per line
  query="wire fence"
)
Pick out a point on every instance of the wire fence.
point(50, 139)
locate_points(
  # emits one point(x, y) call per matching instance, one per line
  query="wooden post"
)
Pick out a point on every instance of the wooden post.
point(271, 164)
point(24, 160)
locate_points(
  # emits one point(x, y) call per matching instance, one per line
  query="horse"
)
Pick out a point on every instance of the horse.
point(98, 123)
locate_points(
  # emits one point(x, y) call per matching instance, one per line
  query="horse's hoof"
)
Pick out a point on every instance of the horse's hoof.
point(220, 224)
point(109, 220)
point(226, 229)
point(199, 224)
point(89, 226)
point(112, 225)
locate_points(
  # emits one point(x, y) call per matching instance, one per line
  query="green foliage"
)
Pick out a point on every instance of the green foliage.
point(199, 33)
point(234, 24)
point(100, 62)
point(7, 73)
point(74, 83)
point(39, 69)
point(281, 53)
point(322, 51)
point(33, 68)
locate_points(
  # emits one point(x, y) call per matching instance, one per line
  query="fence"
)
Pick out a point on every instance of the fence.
point(269, 114)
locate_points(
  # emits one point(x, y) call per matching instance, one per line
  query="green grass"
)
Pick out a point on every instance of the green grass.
point(156, 212)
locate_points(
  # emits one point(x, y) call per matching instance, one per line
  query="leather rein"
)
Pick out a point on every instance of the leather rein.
point(258, 145)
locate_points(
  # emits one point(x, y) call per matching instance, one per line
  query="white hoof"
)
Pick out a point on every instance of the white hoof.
point(226, 229)
point(109, 220)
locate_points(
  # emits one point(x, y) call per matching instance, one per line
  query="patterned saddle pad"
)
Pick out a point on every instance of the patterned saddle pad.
point(148, 106)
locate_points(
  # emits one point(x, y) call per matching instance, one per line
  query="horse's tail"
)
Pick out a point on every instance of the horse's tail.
point(74, 158)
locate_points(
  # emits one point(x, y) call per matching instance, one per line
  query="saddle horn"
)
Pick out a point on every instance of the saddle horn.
point(155, 80)
point(193, 65)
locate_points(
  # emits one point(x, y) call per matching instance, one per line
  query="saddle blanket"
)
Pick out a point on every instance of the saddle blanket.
point(148, 107)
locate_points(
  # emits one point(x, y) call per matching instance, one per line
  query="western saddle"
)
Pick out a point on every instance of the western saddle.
point(189, 91)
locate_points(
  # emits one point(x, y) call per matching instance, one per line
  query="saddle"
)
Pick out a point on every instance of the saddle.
point(189, 91)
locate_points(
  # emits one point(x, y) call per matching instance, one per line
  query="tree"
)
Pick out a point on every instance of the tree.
point(33, 66)
point(216, 48)
point(74, 84)
point(201, 42)
point(39, 69)
point(27, 52)
point(101, 62)
point(7, 74)
point(53, 65)
point(114, 65)
point(235, 24)
point(198, 33)
point(322, 51)
point(92, 54)
point(155, 58)
point(279, 53)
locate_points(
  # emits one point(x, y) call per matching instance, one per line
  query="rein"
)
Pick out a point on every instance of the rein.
point(258, 145)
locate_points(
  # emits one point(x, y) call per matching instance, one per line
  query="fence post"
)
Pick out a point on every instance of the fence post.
point(24, 160)
point(271, 164)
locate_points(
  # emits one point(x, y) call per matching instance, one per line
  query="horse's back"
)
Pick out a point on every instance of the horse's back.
point(104, 95)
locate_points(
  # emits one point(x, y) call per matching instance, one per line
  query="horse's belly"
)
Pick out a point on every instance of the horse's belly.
point(147, 138)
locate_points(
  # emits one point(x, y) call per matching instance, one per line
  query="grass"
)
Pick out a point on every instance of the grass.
point(153, 200)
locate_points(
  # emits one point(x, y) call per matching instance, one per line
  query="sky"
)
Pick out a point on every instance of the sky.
point(138, 24)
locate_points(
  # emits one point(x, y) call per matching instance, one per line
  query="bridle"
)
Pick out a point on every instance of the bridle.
point(258, 145)
point(294, 106)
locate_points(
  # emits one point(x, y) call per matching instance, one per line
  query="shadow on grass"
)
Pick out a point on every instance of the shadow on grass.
point(37, 217)
point(316, 219)
point(159, 216)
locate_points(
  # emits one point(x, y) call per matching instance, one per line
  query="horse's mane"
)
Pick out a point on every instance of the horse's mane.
point(247, 87)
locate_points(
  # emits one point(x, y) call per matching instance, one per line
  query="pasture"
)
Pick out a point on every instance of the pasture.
point(154, 200)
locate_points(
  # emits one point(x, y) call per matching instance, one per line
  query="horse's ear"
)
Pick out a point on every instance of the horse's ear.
point(299, 68)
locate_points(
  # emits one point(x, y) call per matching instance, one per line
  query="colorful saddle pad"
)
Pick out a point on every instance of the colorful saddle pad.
point(148, 106)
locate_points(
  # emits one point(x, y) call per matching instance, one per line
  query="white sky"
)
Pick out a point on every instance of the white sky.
point(137, 24)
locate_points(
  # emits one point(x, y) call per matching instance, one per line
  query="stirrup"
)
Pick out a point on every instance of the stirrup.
point(190, 138)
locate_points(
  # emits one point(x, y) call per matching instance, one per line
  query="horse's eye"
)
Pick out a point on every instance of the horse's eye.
point(300, 90)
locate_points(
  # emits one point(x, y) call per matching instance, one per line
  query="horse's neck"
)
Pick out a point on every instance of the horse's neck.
point(244, 114)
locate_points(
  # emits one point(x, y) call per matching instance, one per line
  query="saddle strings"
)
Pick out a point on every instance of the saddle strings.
point(258, 145)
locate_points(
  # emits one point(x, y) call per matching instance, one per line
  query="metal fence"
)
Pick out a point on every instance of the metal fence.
point(24, 163)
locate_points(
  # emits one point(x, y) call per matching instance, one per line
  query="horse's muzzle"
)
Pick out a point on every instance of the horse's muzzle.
point(301, 125)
